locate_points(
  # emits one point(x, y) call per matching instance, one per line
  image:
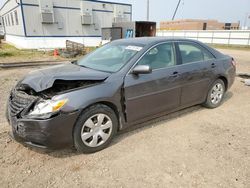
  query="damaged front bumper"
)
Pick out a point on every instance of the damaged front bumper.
point(53, 133)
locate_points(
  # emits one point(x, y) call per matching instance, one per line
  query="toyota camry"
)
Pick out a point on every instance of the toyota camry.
point(126, 82)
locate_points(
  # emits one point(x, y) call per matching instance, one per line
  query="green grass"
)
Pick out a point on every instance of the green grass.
point(9, 53)
point(5, 54)
point(230, 47)
point(7, 50)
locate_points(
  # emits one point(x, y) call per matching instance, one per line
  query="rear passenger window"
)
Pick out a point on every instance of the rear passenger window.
point(161, 56)
point(193, 53)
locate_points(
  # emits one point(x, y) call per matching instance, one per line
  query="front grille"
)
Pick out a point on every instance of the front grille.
point(20, 101)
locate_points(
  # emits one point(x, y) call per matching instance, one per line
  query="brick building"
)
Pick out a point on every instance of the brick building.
point(195, 24)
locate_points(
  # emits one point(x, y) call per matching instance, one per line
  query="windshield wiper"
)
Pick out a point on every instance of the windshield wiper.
point(83, 66)
point(76, 63)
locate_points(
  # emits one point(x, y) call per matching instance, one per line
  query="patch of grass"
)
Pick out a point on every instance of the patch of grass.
point(90, 49)
point(233, 47)
point(5, 54)
point(7, 50)
point(9, 53)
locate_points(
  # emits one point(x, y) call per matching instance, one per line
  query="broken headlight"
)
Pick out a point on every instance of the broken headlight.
point(48, 106)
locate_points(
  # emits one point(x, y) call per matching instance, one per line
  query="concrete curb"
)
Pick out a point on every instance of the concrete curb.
point(30, 64)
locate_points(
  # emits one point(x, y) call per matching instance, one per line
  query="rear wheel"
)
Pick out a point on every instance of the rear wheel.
point(95, 129)
point(215, 94)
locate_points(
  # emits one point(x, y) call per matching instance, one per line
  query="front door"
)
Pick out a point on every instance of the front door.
point(159, 91)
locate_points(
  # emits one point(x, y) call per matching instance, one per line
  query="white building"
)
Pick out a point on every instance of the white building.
point(49, 23)
point(1, 28)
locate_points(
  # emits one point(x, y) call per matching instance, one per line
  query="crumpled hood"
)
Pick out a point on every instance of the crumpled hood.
point(43, 79)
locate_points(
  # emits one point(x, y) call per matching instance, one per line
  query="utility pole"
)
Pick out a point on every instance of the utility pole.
point(176, 9)
point(147, 10)
point(246, 20)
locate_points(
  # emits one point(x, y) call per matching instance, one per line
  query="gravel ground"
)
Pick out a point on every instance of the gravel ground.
point(195, 147)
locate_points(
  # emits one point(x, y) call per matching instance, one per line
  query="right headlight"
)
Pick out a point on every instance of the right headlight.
point(47, 107)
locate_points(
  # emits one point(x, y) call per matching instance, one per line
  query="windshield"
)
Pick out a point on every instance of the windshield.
point(109, 58)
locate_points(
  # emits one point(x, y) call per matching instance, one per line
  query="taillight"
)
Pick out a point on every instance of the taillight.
point(233, 62)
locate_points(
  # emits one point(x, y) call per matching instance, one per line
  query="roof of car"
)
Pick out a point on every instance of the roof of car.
point(149, 40)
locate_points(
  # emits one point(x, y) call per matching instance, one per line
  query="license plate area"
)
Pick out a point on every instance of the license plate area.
point(17, 127)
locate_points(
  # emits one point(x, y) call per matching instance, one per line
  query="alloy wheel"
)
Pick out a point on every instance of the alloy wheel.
point(217, 93)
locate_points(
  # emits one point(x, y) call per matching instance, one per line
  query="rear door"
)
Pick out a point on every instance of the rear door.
point(197, 71)
point(149, 94)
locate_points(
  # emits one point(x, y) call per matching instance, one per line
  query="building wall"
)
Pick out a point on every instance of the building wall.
point(67, 22)
point(68, 18)
point(49, 42)
point(9, 10)
point(193, 24)
point(1, 28)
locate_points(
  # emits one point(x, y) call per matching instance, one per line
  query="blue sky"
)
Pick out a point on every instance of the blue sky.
point(222, 10)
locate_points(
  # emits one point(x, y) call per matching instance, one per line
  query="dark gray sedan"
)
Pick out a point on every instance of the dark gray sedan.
point(85, 103)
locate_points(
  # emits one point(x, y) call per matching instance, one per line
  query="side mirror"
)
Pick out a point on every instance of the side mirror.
point(142, 69)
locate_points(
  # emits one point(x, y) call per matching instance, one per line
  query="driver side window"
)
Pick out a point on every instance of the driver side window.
point(161, 56)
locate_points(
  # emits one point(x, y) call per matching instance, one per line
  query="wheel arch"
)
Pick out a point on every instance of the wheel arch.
point(224, 79)
point(106, 103)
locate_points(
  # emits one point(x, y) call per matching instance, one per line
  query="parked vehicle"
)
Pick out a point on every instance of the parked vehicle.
point(123, 83)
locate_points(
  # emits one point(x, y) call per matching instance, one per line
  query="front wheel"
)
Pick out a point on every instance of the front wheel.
point(95, 129)
point(215, 94)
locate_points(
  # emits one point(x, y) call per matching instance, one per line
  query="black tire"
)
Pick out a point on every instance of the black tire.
point(86, 114)
point(208, 103)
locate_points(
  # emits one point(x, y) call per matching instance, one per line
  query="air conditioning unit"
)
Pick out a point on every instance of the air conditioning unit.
point(119, 19)
point(46, 11)
point(86, 19)
point(86, 13)
point(118, 14)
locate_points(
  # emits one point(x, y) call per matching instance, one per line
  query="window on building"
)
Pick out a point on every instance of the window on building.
point(8, 20)
point(16, 17)
point(12, 18)
point(193, 53)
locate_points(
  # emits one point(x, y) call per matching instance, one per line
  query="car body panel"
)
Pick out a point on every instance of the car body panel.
point(149, 94)
point(195, 82)
point(44, 79)
point(55, 132)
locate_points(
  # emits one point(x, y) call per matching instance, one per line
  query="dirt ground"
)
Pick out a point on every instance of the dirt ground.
point(195, 147)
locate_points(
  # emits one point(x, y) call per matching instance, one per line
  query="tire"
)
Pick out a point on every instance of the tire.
point(218, 88)
point(95, 129)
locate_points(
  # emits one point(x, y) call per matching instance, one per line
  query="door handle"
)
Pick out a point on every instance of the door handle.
point(213, 65)
point(175, 74)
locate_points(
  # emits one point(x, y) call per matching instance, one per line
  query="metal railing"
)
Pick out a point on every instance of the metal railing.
point(225, 37)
